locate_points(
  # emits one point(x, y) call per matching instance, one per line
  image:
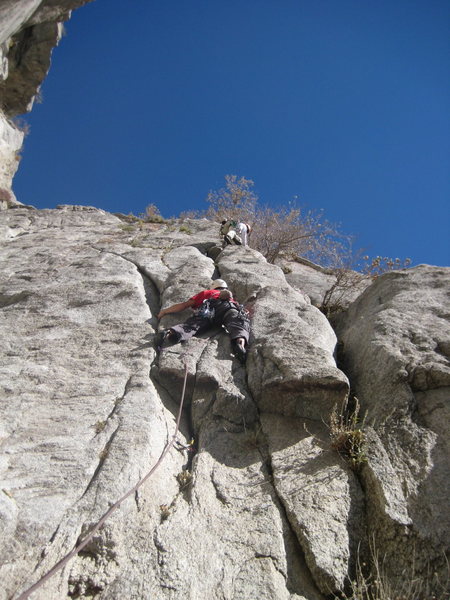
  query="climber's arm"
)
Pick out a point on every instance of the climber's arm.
point(176, 308)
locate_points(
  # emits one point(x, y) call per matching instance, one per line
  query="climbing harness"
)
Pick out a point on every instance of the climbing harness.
point(243, 313)
point(60, 564)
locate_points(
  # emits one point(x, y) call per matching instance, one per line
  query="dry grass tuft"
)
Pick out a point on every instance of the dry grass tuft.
point(347, 436)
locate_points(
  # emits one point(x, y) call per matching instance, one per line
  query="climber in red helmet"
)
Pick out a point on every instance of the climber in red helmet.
point(215, 306)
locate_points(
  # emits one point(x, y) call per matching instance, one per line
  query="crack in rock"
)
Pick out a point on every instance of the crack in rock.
point(103, 455)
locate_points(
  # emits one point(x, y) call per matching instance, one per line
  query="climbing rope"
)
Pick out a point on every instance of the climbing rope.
point(59, 565)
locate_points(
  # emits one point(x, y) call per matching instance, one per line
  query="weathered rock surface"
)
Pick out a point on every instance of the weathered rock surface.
point(291, 365)
point(11, 140)
point(80, 425)
point(308, 278)
point(263, 507)
point(327, 289)
point(396, 348)
point(29, 30)
point(259, 506)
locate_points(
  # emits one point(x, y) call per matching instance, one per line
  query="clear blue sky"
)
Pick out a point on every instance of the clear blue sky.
point(342, 103)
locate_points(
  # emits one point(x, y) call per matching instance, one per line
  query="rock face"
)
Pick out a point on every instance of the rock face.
point(11, 140)
point(331, 290)
point(303, 274)
point(29, 30)
point(303, 383)
point(259, 504)
point(262, 507)
point(396, 344)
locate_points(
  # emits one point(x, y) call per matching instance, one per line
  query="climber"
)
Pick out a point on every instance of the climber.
point(213, 307)
point(235, 232)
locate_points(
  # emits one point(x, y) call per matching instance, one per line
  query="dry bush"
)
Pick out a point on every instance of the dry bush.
point(347, 435)
point(234, 201)
point(351, 272)
point(341, 292)
point(348, 278)
point(382, 264)
point(152, 214)
point(277, 231)
point(184, 478)
point(289, 230)
point(371, 582)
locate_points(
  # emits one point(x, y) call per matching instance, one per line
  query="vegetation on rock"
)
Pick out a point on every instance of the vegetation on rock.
point(347, 435)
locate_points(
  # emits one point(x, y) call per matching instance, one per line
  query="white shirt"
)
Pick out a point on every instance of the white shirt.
point(241, 230)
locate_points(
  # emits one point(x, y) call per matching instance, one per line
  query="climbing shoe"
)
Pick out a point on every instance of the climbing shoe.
point(159, 339)
point(241, 353)
point(167, 337)
point(164, 336)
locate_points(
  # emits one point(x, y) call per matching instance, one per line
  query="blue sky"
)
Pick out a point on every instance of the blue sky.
point(343, 104)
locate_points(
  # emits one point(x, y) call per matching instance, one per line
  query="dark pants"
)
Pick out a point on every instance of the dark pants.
point(234, 322)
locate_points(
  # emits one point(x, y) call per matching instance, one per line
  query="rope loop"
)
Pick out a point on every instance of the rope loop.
point(60, 564)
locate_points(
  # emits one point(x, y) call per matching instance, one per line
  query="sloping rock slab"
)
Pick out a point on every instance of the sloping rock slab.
point(322, 496)
point(291, 366)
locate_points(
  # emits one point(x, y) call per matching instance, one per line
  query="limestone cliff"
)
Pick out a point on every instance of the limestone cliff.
point(260, 505)
point(29, 30)
point(263, 507)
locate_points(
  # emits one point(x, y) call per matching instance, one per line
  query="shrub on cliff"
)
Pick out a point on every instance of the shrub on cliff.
point(348, 279)
point(287, 229)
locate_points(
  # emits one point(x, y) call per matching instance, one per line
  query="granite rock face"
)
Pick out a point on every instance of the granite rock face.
point(308, 278)
point(260, 505)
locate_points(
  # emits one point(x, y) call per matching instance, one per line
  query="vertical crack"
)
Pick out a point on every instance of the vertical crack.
point(102, 457)
point(293, 548)
point(152, 295)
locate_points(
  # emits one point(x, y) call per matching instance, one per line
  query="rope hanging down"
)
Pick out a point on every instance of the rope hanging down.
point(59, 565)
